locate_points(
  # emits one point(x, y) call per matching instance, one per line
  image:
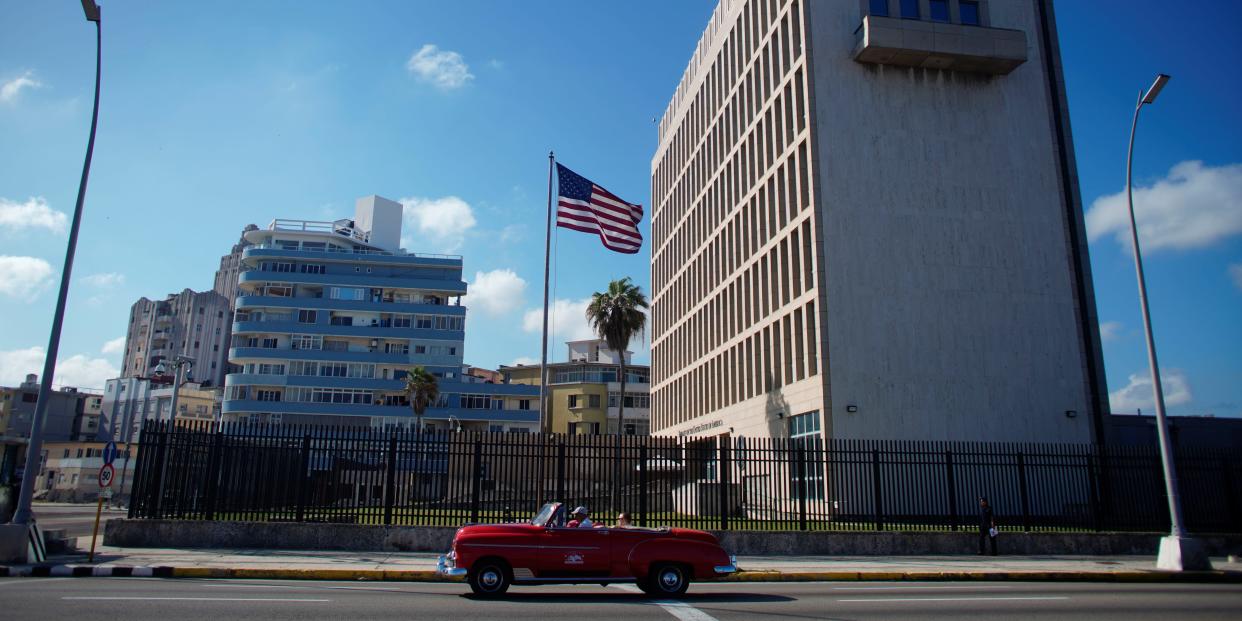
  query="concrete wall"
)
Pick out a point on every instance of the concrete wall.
point(949, 290)
point(289, 536)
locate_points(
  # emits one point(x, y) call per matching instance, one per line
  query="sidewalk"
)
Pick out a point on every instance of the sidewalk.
point(420, 566)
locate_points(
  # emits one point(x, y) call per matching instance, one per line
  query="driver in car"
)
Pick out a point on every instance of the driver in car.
point(579, 519)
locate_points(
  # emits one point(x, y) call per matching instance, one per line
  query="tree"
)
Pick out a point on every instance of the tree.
point(421, 389)
point(617, 316)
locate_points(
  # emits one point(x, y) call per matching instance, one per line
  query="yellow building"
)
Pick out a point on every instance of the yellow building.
point(584, 393)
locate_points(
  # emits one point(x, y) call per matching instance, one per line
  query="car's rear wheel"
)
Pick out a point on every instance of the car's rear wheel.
point(666, 579)
point(489, 578)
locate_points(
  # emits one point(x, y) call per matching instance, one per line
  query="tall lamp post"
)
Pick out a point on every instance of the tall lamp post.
point(1177, 551)
point(34, 450)
point(180, 364)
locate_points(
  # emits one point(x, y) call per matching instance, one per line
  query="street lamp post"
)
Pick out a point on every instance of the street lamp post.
point(1177, 551)
point(34, 449)
point(179, 365)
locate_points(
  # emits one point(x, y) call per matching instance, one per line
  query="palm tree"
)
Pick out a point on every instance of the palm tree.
point(421, 390)
point(617, 316)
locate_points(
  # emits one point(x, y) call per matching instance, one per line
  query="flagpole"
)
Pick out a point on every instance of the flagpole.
point(545, 425)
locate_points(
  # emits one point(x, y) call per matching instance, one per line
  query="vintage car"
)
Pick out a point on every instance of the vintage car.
point(662, 561)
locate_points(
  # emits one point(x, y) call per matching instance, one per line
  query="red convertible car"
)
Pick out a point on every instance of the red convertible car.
point(544, 551)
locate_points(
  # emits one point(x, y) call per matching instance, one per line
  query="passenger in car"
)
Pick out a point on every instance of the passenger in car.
point(580, 519)
point(623, 521)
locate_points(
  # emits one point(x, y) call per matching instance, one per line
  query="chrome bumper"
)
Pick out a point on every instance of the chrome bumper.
point(445, 566)
point(731, 568)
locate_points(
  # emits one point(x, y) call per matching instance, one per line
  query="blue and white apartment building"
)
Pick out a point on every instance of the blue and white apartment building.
point(330, 317)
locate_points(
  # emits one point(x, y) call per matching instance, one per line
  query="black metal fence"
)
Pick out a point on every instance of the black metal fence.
point(366, 476)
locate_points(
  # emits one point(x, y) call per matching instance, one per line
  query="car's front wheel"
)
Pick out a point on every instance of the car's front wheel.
point(489, 578)
point(667, 579)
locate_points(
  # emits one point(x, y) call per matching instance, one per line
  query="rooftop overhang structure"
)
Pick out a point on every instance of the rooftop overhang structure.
point(934, 45)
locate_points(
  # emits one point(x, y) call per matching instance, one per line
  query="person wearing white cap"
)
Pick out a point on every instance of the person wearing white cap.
point(580, 519)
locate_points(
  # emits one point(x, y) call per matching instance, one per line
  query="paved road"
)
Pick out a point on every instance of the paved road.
point(76, 519)
point(212, 600)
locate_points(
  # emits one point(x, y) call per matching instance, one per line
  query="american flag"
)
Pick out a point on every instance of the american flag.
point(584, 206)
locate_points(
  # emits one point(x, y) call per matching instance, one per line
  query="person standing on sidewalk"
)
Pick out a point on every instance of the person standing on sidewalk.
point(987, 527)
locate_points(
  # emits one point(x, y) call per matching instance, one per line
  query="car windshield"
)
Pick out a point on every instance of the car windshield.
point(545, 514)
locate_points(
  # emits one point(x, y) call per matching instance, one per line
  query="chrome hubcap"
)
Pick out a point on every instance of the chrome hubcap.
point(669, 579)
point(490, 578)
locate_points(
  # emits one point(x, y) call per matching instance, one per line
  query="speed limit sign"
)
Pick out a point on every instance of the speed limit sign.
point(106, 474)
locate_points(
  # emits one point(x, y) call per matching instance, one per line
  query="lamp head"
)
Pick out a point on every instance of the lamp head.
point(91, 9)
point(1155, 89)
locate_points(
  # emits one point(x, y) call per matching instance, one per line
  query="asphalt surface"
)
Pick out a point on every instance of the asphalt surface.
point(76, 519)
point(136, 598)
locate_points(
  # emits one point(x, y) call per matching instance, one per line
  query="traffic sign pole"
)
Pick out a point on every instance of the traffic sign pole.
point(106, 474)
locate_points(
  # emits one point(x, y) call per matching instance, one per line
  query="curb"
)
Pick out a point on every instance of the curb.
point(426, 575)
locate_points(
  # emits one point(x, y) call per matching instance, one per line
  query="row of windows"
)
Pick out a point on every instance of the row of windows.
point(337, 318)
point(938, 10)
point(314, 342)
point(601, 376)
point(781, 353)
point(730, 97)
point(748, 298)
point(783, 198)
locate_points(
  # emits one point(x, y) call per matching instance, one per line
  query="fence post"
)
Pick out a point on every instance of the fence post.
point(1022, 493)
point(161, 453)
point(642, 484)
point(951, 482)
point(476, 480)
point(390, 475)
point(560, 471)
point(1231, 497)
point(137, 486)
point(1092, 490)
point(723, 492)
point(213, 474)
point(800, 457)
point(303, 478)
point(877, 489)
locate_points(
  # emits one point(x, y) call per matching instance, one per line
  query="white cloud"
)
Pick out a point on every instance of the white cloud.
point(566, 321)
point(10, 89)
point(1138, 393)
point(1110, 331)
point(115, 346)
point(496, 292)
point(24, 277)
point(442, 222)
point(523, 360)
point(78, 371)
point(106, 279)
point(1235, 271)
point(1194, 206)
point(34, 213)
point(443, 68)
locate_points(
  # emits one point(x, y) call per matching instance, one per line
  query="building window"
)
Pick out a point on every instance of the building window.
point(267, 395)
point(523, 404)
point(909, 9)
point(879, 8)
point(969, 12)
point(269, 343)
point(496, 428)
point(939, 10)
point(574, 400)
point(593, 401)
point(306, 316)
point(313, 269)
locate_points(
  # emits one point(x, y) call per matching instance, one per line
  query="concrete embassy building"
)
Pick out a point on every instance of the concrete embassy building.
point(332, 315)
point(867, 224)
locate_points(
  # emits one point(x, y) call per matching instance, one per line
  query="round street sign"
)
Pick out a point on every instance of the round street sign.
point(109, 452)
point(106, 474)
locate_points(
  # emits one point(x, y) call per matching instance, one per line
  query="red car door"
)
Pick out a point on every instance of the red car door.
point(574, 552)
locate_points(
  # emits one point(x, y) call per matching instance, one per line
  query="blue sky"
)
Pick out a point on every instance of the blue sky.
point(214, 117)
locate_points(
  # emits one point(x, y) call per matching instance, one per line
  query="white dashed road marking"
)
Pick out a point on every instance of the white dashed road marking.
point(681, 610)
